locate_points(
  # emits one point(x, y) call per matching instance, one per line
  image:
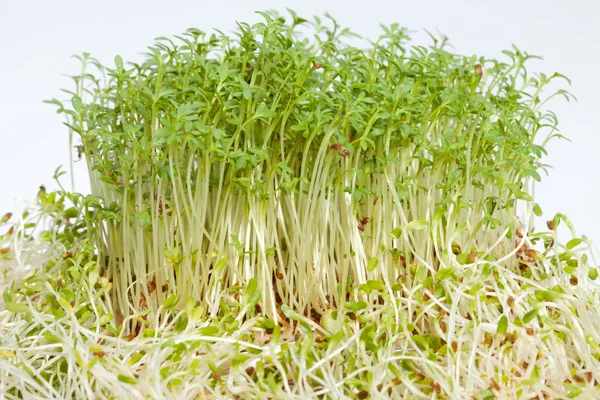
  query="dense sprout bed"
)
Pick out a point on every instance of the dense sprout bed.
point(280, 217)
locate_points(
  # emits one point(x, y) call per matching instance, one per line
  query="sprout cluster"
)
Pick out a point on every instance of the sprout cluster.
point(275, 216)
point(307, 165)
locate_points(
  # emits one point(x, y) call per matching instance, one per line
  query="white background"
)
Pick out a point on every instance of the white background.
point(37, 39)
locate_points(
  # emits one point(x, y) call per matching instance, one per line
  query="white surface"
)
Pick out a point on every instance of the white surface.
point(38, 37)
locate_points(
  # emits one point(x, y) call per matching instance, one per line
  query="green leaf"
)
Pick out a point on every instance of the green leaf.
point(220, 264)
point(126, 379)
point(93, 275)
point(396, 233)
point(119, 62)
point(250, 289)
point(502, 326)
point(209, 331)
point(573, 243)
point(530, 316)
point(17, 308)
point(372, 264)
point(144, 219)
point(376, 285)
point(417, 225)
point(266, 114)
point(444, 273)
point(537, 210)
point(521, 195)
point(475, 288)
point(161, 133)
point(65, 303)
point(105, 319)
point(593, 274)
point(291, 314)
point(421, 342)
point(463, 259)
point(71, 212)
point(353, 307)
point(218, 134)
point(365, 288)
point(76, 101)
point(171, 301)
point(223, 73)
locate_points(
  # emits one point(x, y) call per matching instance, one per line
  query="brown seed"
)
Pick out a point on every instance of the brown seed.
point(375, 199)
point(456, 250)
point(574, 281)
point(488, 339)
point(284, 138)
point(494, 385)
point(352, 316)
point(472, 257)
point(4, 250)
point(519, 234)
point(403, 261)
point(143, 302)
point(436, 387)
point(443, 326)
point(250, 371)
point(151, 285)
point(317, 65)
point(589, 376)
point(10, 230)
point(454, 347)
point(532, 253)
point(529, 331)
point(550, 224)
point(59, 283)
point(278, 275)
point(579, 379)
point(337, 147)
point(510, 301)
point(99, 354)
point(478, 69)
